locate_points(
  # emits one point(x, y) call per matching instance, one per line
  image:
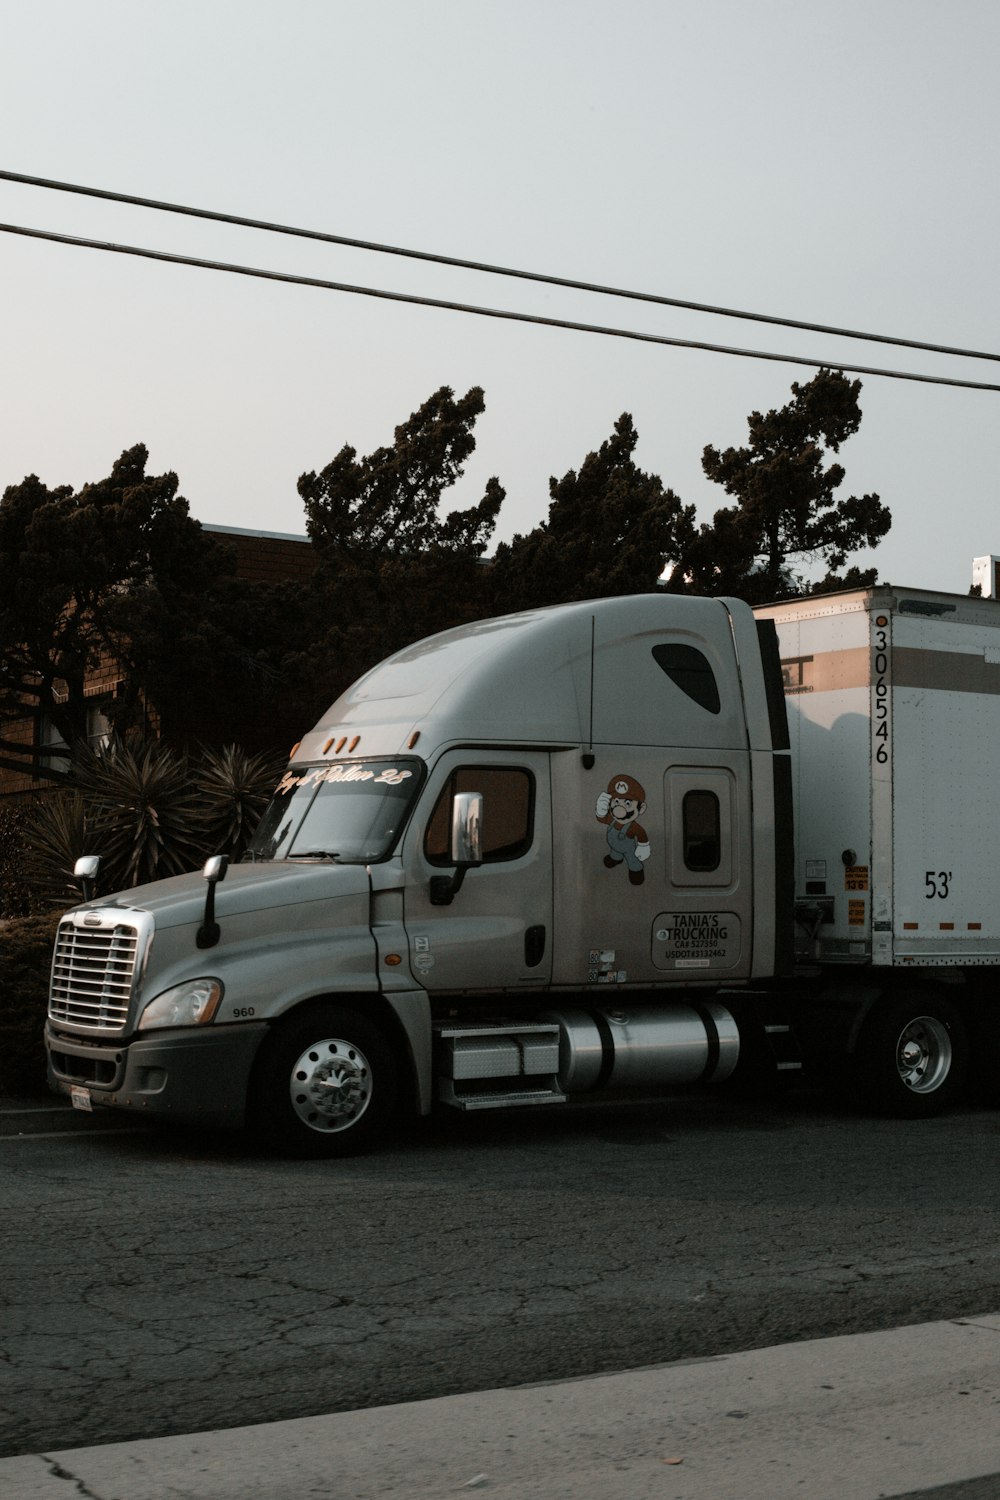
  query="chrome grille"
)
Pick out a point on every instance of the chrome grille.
point(93, 969)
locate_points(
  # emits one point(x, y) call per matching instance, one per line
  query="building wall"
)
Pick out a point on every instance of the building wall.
point(269, 556)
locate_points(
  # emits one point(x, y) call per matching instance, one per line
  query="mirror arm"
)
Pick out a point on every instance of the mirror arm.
point(444, 888)
point(215, 870)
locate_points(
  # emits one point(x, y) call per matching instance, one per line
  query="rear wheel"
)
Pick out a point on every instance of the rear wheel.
point(913, 1056)
point(325, 1085)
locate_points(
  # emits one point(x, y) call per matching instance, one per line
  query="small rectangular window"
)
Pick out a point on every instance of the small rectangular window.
point(508, 813)
point(702, 831)
point(53, 752)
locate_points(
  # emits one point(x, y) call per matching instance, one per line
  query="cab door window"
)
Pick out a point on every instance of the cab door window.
point(508, 813)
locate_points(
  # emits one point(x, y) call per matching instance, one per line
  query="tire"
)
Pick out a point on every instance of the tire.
point(912, 1057)
point(326, 1084)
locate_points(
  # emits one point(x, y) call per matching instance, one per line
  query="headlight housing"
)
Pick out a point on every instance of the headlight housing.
point(193, 1003)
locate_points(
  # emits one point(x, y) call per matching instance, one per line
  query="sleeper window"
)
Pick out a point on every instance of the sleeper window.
point(691, 671)
point(702, 831)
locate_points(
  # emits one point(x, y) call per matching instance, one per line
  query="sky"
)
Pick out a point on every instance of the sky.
point(834, 164)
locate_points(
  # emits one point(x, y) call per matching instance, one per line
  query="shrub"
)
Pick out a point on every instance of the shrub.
point(25, 959)
point(15, 897)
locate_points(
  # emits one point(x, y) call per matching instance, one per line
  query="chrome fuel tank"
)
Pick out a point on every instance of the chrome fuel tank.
point(615, 1047)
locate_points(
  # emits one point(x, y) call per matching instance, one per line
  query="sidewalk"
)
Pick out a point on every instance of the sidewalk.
point(874, 1415)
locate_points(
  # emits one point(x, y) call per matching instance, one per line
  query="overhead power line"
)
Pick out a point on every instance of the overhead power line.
point(482, 312)
point(492, 270)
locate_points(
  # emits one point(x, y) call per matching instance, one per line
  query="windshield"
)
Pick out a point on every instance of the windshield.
point(353, 811)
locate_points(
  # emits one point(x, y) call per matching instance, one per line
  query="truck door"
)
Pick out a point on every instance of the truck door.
point(704, 928)
point(496, 933)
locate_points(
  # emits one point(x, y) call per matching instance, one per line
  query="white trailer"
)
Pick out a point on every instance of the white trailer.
point(893, 699)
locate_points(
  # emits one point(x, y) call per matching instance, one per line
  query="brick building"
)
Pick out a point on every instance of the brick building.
point(268, 556)
point(261, 556)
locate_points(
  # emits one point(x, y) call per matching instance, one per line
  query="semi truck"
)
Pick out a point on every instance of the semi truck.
point(621, 846)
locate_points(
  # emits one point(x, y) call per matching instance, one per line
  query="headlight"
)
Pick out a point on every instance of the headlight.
point(190, 1004)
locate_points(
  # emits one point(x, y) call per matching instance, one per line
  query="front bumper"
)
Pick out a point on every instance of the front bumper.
point(196, 1074)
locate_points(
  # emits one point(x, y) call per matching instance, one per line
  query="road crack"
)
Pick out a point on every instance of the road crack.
point(58, 1472)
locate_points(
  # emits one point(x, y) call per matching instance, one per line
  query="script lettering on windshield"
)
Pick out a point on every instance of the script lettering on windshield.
point(315, 775)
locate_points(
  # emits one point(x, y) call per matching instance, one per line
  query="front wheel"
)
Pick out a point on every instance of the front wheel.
point(325, 1085)
point(912, 1057)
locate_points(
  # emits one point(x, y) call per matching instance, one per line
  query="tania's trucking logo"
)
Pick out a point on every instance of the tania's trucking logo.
point(696, 940)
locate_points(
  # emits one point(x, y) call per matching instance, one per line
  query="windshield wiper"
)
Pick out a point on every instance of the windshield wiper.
point(314, 854)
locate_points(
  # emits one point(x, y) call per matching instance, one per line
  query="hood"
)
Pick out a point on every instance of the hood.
point(246, 889)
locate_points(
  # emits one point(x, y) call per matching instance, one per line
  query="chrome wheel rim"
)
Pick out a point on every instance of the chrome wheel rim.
point(331, 1085)
point(923, 1054)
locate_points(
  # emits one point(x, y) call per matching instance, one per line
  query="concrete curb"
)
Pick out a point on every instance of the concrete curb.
point(867, 1416)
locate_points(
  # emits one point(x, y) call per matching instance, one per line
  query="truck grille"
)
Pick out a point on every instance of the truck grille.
point(93, 970)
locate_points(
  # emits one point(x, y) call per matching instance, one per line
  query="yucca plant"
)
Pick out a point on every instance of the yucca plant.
point(57, 833)
point(148, 810)
point(234, 787)
point(144, 815)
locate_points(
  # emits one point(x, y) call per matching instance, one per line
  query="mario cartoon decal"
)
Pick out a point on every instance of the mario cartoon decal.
point(618, 808)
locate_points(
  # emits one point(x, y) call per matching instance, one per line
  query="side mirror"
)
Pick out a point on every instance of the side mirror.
point(466, 846)
point(467, 829)
point(213, 870)
point(86, 871)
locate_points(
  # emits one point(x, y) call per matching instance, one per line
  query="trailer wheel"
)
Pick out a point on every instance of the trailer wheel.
point(325, 1085)
point(912, 1057)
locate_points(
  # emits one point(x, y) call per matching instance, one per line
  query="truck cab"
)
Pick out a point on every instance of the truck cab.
point(517, 861)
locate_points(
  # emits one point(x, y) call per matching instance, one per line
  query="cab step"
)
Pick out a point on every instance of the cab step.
point(497, 1065)
point(514, 1099)
point(784, 1046)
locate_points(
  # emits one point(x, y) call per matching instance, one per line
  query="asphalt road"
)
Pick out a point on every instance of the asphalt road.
point(156, 1283)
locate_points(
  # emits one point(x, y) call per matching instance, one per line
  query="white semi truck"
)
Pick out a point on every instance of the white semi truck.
point(621, 845)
